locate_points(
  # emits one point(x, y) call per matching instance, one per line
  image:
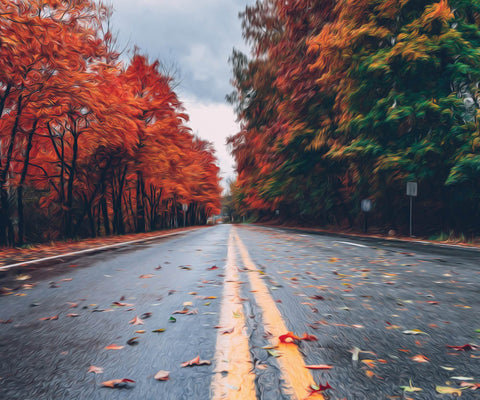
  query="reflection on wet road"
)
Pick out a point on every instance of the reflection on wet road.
point(272, 314)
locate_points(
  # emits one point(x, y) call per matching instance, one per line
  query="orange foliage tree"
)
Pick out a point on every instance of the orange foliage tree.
point(98, 146)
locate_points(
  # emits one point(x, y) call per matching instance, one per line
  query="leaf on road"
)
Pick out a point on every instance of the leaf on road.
point(411, 388)
point(146, 276)
point(309, 338)
point(120, 304)
point(117, 383)
point(465, 347)
point(195, 361)
point(6, 321)
point(140, 331)
point(22, 277)
point(162, 375)
point(414, 332)
point(319, 366)
point(136, 321)
point(289, 337)
point(133, 341)
point(55, 317)
point(172, 319)
point(470, 385)
point(273, 352)
point(96, 370)
point(448, 390)
point(370, 363)
point(113, 347)
point(146, 315)
point(213, 267)
point(73, 315)
point(320, 388)
point(420, 358)
point(159, 330)
point(227, 331)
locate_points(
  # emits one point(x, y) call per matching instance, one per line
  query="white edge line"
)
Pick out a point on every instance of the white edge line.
point(353, 244)
point(109, 246)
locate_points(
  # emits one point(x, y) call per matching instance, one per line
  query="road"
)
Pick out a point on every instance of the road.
point(379, 315)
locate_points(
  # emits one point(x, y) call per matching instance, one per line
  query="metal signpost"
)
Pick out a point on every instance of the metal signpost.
point(185, 209)
point(366, 206)
point(412, 190)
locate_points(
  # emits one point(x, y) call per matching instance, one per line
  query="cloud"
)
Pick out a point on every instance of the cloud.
point(214, 122)
point(195, 37)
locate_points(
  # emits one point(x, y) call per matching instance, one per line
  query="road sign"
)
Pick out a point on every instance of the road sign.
point(366, 205)
point(412, 189)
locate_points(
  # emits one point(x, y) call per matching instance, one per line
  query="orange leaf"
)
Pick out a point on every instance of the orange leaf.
point(162, 375)
point(96, 370)
point(49, 318)
point(136, 321)
point(113, 347)
point(195, 361)
point(420, 358)
point(117, 383)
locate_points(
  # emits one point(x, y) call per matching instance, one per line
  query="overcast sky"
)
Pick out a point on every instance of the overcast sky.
point(195, 38)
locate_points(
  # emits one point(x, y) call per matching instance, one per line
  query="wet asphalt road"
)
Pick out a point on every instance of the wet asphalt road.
point(349, 293)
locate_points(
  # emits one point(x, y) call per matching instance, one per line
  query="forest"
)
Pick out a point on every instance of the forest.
point(91, 144)
point(342, 101)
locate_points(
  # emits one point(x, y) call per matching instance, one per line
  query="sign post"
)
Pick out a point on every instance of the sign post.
point(412, 190)
point(366, 206)
point(185, 209)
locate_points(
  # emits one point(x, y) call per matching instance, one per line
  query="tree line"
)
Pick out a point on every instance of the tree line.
point(341, 101)
point(90, 145)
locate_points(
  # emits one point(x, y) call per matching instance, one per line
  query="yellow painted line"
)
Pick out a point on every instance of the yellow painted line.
point(297, 378)
point(234, 377)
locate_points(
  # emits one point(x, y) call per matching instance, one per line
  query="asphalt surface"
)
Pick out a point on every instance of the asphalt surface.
point(392, 301)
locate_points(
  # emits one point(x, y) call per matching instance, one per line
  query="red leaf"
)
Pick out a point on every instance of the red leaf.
point(289, 337)
point(465, 347)
point(319, 366)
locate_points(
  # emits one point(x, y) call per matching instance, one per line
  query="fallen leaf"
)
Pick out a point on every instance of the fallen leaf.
point(159, 330)
point(420, 358)
point(113, 347)
point(162, 375)
point(411, 388)
point(448, 390)
point(96, 370)
point(140, 331)
point(470, 385)
point(73, 315)
point(172, 319)
point(414, 332)
point(55, 317)
point(309, 338)
point(146, 315)
point(117, 383)
point(133, 341)
point(465, 347)
point(319, 366)
point(22, 277)
point(370, 363)
point(119, 304)
point(212, 268)
point(146, 276)
point(136, 321)
point(195, 361)
point(273, 352)
point(289, 337)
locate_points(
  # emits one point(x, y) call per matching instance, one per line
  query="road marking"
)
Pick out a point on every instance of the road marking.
point(109, 246)
point(353, 244)
point(233, 378)
point(297, 378)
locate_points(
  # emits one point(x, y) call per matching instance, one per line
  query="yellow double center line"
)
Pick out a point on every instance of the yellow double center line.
point(234, 378)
